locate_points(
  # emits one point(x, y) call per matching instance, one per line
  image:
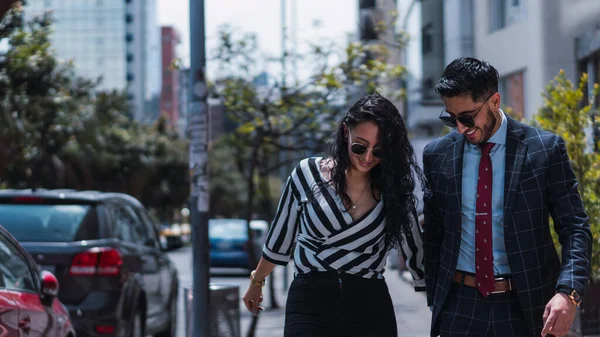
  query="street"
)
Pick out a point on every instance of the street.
point(412, 314)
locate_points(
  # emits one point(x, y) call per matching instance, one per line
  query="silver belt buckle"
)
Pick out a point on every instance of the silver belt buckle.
point(502, 279)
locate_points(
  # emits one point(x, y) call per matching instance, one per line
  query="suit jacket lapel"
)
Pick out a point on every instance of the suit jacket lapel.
point(516, 152)
point(454, 158)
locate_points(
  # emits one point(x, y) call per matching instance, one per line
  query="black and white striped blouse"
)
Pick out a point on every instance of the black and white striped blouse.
point(325, 237)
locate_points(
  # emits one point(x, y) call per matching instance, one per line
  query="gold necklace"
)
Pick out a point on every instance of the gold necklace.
point(353, 207)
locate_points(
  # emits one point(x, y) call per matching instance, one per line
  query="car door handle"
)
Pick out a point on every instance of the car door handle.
point(25, 324)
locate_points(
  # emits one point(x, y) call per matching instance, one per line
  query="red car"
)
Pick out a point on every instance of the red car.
point(28, 302)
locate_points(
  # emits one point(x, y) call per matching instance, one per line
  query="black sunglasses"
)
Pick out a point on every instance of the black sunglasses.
point(360, 149)
point(467, 120)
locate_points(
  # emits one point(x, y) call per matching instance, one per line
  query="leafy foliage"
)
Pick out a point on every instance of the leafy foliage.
point(57, 131)
point(567, 113)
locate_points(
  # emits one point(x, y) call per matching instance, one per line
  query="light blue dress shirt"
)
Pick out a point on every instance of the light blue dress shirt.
point(471, 158)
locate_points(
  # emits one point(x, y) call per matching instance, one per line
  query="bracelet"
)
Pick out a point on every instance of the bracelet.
point(255, 282)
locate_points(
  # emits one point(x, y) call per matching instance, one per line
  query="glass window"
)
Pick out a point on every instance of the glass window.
point(122, 229)
point(227, 229)
point(14, 268)
point(49, 223)
point(503, 13)
point(512, 90)
point(138, 230)
point(150, 226)
point(427, 38)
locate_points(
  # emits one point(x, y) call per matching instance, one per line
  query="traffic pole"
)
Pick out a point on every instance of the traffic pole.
point(199, 198)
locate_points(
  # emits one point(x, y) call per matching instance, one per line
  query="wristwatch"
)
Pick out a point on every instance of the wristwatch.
point(573, 294)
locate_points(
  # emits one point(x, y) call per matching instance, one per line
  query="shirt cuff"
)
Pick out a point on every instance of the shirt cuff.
point(276, 258)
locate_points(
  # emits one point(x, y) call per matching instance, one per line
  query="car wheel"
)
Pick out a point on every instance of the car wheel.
point(137, 325)
point(171, 331)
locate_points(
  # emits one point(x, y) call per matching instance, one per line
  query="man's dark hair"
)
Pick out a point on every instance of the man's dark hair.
point(468, 76)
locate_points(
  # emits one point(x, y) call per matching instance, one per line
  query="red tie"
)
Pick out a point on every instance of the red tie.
point(484, 267)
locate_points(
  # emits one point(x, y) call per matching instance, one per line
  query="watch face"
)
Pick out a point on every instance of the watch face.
point(576, 296)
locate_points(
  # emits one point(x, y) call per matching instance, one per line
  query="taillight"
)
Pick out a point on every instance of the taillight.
point(105, 329)
point(97, 261)
point(26, 199)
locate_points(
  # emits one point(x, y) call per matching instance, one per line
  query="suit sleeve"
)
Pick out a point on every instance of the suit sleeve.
point(432, 229)
point(412, 252)
point(284, 228)
point(571, 222)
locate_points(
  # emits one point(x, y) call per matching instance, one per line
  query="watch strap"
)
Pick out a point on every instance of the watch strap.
point(573, 295)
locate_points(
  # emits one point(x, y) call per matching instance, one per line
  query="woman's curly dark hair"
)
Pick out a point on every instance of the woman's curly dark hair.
point(393, 177)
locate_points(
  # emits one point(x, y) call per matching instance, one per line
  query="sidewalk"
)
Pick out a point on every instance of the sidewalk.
point(412, 314)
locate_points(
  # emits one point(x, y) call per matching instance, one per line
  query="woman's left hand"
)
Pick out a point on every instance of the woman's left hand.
point(253, 298)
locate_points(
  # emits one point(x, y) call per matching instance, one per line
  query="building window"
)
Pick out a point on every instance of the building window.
point(428, 89)
point(504, 13)
point(367, 4)
point(512, 93)
point(427, 38)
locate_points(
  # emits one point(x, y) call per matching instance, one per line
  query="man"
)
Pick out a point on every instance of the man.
point(491, 266)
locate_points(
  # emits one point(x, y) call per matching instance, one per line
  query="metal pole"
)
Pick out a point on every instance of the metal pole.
point(198, 126)
point(284, 279)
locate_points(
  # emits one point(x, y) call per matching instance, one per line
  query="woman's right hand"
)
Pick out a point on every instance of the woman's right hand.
point(253, 298)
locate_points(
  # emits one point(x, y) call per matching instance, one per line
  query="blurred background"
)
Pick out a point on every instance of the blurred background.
point(94, 95)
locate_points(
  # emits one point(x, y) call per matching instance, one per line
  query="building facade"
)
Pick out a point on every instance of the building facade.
point(117, 41)
point(170, 95)
point(529, 42)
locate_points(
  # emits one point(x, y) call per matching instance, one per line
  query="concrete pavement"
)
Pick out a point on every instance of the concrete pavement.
point(412, 314)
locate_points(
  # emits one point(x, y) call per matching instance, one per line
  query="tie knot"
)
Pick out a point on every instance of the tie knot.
point(486, 147)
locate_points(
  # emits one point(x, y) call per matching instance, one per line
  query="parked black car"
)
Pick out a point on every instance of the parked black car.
point(104, 250)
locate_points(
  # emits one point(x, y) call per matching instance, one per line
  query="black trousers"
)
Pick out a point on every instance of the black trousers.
point(468, 314)
point(339, 305)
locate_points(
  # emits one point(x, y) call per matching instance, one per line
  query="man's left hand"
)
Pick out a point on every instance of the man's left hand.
point(558, 316)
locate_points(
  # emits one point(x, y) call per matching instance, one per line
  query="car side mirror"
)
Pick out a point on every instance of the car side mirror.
point(49, 284)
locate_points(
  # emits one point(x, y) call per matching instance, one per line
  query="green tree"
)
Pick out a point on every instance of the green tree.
point(58, 131)
point(275, 118)
point(568, 111)
point(43, 104)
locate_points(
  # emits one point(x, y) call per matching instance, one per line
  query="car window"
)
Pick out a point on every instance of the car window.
point(138, 229)
point(49, 223)
point(150, 226)
point(122, 228)
point(227, 229)
point(14, 268)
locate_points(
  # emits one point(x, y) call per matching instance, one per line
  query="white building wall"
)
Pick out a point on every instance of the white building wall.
point(458, 29)
point(517, 47)
point(540, 43)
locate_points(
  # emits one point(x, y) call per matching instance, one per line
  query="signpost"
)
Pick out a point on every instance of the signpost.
point(199, 200)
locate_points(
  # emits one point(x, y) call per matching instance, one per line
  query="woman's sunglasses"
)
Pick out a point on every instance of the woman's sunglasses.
point(467, 120)
point(360, 149)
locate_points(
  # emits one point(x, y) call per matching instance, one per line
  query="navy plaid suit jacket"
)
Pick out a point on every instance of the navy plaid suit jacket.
point(539, 182)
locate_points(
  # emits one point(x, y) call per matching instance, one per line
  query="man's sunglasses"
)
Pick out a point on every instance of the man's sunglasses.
point(360, 149)
point(467, 120)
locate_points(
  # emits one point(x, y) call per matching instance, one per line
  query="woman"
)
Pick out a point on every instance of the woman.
point(340, 215)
